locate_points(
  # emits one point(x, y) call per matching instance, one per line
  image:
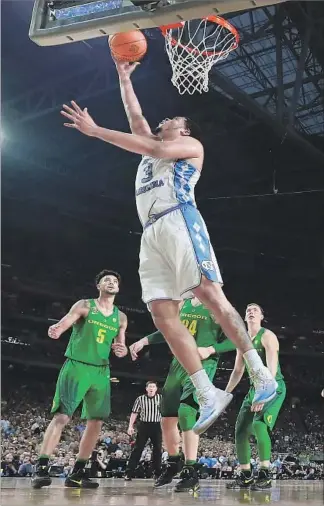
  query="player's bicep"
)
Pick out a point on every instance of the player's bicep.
point(186, 148)
point(270, 341)
point(77, 311)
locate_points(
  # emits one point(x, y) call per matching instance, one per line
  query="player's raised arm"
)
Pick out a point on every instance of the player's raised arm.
point(79, 310)
point(237, 372)
point(184, 148)
point(271, 346)
point(137, 122)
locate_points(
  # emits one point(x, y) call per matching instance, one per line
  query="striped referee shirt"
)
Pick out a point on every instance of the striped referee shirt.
point(148, 408)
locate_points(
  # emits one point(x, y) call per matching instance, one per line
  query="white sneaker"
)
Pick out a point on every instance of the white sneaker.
point(212, 402)
point(265, 385)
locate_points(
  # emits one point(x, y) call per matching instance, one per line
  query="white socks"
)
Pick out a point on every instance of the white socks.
point(253, 360)
point(200, 380)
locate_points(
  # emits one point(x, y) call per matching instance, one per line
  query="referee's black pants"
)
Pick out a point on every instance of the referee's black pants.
point(152, 431)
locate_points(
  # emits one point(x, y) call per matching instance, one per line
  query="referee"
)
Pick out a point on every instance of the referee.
point(148, 408)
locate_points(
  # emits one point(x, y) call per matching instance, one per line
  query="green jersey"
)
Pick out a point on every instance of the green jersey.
point(202, 327)
point(200, 324)
point(257, 343)
point(92, 337)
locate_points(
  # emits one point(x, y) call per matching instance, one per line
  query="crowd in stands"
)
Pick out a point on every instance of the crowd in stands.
point(297, 439)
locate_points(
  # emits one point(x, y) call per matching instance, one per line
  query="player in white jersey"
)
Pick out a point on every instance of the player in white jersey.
point(176, 257)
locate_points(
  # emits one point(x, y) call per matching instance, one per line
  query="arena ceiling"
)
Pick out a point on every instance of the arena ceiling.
point(262, 189)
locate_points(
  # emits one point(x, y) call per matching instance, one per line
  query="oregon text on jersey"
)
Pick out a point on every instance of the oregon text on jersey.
point(194, 316)
point(109, 327)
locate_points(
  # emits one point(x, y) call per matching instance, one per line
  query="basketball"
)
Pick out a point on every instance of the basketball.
point(128, 46)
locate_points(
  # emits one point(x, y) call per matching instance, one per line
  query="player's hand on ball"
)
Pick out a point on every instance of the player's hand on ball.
point(120, 350)
point(204, 353)
point(54, 332)
point(136, 348)
point(80, 119)
point(130, 431)
point(125, 69)
point(255, 408)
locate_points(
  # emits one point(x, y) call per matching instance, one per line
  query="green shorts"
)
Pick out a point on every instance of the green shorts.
point(178, 387)
point(269, 413)
point(79, 382)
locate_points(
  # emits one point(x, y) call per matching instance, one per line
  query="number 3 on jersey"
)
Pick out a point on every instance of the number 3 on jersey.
point(101, 336)
point(148, 171)
point(191, 326)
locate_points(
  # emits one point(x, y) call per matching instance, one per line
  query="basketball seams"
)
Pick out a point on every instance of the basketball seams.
point(129, 46)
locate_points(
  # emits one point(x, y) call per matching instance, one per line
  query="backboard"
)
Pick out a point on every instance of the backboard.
point(57, 22)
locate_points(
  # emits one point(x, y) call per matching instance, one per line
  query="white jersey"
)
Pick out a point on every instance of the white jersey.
point(163, 184)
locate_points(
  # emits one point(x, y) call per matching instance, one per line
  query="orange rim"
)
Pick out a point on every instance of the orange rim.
point(213, 19)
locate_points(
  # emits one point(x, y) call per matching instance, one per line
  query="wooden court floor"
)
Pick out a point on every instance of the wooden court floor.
point(116, 492)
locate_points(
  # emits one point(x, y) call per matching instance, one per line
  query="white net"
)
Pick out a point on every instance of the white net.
point(193, 49)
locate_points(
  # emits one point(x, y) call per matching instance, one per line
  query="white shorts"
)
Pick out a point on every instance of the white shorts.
point(175, 253)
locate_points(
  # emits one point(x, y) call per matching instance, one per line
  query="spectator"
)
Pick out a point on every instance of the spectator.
point(98, 463)
point(5, 426)
point(113, 446)
point(310, 475)
point(69, 467)
point(26, 468)
point(9, 467)
point(165, 456)
point(206, 461)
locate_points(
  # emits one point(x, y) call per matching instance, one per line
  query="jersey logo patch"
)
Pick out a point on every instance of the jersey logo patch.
point(95, 310)
point(269, 418)
point(114, 320)
point(208, 265)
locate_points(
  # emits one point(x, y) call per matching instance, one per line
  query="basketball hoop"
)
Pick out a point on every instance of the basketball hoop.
point(194, 47)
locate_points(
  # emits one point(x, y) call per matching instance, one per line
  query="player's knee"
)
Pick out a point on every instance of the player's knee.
point(170, 430)
point(213, 296)
point(241, 430)
point(259, 428)
point(61, 419)
point(169, 425)
point(94, 423)
point(165, 324)
point(168, 422)
point(187, 417)
point(165, 314)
